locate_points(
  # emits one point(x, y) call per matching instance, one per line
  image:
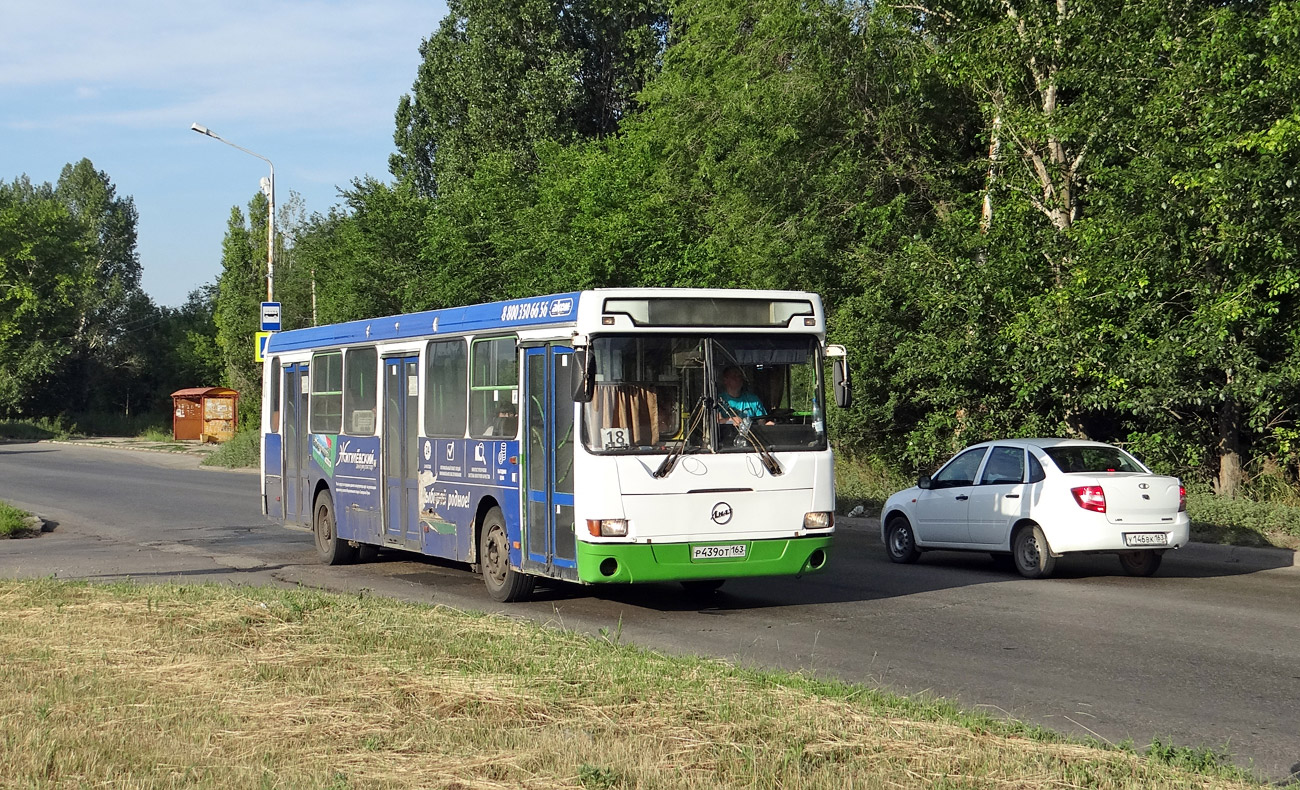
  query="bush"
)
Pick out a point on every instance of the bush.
point(866, 481)
point(244, 450)
point(1234, 514)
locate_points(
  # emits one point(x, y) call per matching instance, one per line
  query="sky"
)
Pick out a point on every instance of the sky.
point(312, 86)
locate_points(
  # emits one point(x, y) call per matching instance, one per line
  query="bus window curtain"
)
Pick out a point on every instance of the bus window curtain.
point(630, 406)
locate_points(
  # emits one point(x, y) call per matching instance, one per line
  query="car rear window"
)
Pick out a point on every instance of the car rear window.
point(1092, 459)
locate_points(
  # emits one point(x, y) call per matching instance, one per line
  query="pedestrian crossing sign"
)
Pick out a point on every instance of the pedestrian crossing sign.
point(262, 338)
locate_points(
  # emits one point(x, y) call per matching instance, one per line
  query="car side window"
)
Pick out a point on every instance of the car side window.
point(1036, 473)
point(960, 471)
point(1006, 465)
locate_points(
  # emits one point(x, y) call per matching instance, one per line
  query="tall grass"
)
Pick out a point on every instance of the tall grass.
point(243, 450)
point(37, 429)
point(12, 520)
point(226, 687)
point(114, 424)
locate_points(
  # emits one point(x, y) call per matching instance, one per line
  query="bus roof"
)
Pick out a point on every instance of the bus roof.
point(514, 314)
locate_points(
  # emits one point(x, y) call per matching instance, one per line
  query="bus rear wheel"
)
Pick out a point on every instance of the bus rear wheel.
point(504, 584)
point(329, 547)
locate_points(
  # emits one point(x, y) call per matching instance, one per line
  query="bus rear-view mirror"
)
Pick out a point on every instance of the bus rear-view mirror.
point(841, 384)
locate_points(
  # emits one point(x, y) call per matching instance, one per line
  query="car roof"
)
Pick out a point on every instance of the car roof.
point(1043, 443)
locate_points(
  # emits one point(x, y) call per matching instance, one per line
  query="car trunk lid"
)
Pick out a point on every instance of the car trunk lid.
point(1143, 500)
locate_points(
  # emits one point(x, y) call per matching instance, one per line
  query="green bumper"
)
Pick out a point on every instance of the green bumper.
point(601, 563)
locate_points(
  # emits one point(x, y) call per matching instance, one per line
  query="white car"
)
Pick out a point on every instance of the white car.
point(1037, 499)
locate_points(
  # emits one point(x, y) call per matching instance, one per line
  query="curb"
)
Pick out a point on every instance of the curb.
point(106, 445)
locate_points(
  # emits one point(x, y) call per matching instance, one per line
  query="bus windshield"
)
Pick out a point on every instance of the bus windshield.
point(734, 393)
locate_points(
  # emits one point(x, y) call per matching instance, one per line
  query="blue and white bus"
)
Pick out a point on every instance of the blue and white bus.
point(607, 436)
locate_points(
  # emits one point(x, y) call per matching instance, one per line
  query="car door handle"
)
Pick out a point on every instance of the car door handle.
point(961, 497)
point(1013, 496)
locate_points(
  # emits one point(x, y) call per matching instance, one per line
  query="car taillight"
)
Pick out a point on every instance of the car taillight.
point(1090, 498)
point(1182, 499)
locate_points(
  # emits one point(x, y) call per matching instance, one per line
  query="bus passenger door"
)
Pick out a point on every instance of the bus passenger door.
point(400, 447)
point(549, 433)
point(296, 439)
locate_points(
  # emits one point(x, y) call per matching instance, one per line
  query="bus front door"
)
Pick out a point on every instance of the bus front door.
point(400, 448)
point(296, 438)
point(548, 431)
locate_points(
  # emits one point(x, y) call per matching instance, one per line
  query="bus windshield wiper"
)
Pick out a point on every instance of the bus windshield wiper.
point(769, 461)
point(702, 406)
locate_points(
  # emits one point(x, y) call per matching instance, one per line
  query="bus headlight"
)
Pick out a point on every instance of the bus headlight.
point(818, 520)
point(607, 527)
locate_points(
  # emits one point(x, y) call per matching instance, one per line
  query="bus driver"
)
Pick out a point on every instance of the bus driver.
point(735, 401)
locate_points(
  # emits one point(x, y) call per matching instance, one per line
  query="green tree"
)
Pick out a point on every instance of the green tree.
point(112, 308)
point(241, 288)
point(499, 78)
point(42, 276)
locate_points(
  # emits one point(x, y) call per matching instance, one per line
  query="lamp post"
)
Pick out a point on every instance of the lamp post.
point(268, 189)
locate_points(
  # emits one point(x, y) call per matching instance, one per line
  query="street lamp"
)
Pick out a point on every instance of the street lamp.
point(268, 189)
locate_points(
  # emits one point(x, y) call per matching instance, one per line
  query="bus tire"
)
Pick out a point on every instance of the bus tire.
point(330, 549)
point(504, 584)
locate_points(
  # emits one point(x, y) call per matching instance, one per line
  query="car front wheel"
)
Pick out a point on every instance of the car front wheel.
point(900, 542)
point(1031, 553)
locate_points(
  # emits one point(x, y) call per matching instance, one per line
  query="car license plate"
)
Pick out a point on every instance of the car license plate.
point(717, 552)
point(1146, 539)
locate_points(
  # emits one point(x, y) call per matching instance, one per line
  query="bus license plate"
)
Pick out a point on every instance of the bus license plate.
point(717, 552)
point(1146, 539)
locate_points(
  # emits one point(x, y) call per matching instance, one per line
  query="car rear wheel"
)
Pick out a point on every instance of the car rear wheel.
point(900, 542)
point(1140, 563)
point(1031, 553)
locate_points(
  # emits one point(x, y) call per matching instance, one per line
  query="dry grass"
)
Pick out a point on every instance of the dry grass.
point(219, 687)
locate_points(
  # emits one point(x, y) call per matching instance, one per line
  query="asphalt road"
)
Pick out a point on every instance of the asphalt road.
point(1205, 654)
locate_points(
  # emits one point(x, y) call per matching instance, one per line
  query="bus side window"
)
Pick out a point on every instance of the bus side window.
point(361, 372)
point(326, 411)
point(494, 388)
point(446, 380)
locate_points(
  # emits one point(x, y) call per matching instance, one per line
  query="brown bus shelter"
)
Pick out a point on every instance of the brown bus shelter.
point(204, 413)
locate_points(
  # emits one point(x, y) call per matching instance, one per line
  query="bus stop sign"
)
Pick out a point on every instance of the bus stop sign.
point(270, 316)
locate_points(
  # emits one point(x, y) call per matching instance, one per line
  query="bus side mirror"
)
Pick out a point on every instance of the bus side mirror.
point(841, 384)
point(584, 380)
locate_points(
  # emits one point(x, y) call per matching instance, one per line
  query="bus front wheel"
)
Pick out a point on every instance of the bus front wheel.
point(504, 584)
point(330, 549)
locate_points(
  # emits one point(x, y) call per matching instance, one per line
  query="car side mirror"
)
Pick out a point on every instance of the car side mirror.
point(584, 380)
point(841, 383)
point(923, 482)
